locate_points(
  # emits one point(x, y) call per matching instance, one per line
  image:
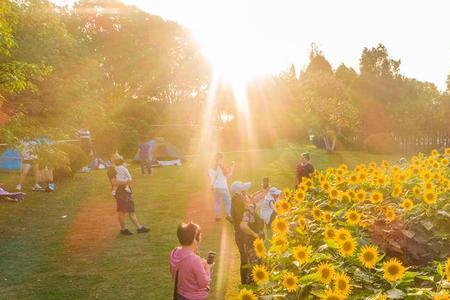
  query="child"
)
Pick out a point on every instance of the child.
point(122, 173)
point(268, 213)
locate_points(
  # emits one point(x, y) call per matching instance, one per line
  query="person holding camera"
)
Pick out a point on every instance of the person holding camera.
point(191, 273)
point(247, 227)
point(219, 174)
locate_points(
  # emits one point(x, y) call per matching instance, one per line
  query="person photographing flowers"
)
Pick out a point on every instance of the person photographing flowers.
point(191, 273)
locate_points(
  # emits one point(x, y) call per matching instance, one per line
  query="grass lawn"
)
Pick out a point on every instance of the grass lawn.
point(65, 245)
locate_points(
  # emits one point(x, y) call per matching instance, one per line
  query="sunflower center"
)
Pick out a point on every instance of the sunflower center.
point(347, 246)
point(393, 270)
point(325, 273)
point(368, 256)
point(342, 285)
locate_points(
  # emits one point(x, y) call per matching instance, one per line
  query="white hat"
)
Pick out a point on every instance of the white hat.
point(274, 191)
point(239, 186)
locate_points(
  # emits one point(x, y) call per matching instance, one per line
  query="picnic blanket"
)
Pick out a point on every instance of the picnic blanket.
point(11, 196)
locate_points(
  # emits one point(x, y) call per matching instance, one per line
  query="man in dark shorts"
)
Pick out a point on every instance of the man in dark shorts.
point(125, 203)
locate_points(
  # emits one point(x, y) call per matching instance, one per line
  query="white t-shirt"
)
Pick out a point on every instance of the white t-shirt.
point(266, 209)
point(27, 150)
point(122, 173)
point(218, 178)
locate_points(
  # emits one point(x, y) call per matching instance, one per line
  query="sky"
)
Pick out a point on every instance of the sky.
point(249, 37)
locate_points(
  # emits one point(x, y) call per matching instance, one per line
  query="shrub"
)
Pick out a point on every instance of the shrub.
point(77, 159)
point(381, 143)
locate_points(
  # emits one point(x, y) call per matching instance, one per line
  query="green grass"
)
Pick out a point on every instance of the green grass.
point(65, 245)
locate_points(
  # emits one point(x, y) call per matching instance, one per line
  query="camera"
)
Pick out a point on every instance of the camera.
point(265, 183)
point(211, 256)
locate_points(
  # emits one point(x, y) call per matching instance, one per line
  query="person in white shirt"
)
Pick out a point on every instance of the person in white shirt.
point(218, 175)
point(268, 213)
point(29, 161)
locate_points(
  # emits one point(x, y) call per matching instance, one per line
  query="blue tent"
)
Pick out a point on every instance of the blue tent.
point(10, 160)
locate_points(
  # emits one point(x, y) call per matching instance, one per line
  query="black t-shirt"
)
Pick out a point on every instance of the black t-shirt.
point(237, 212)
point(307, 170)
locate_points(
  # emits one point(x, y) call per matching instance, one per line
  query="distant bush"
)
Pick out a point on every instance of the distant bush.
point(76, 159)
point(381, 143)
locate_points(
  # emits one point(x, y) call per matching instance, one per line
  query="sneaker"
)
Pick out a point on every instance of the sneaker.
point(18, 187)
point(229, 219)
point(125, 232)
point(38, 188)
point(143, 230)
point(51, 186)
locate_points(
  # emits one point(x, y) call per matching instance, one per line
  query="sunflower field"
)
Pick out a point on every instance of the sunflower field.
point(372, 232)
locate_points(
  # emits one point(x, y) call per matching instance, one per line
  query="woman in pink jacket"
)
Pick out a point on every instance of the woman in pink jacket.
point(191, 273)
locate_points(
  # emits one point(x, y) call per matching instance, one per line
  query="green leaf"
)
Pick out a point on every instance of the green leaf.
point(439, 269)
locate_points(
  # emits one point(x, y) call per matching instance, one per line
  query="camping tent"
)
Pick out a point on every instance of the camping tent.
point(163, 152)
point(10, 160)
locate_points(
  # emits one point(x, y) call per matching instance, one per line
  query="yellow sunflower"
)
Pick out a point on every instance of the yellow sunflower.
point(407, 204)
point(416, 190)
point(376, 197)
point(246, 294)
point(393, 270)
point(329, 232)
point(443, 295)
point(329, 294)
point(316, 213)
point(353, 217)
point(353, 179)
point(308, 182)
point(396, 191)
point(444, 162)
point(290, 282)
point(434, 152)
point(381, 180)
point(303, 187)
point(260, 275)
point(327, 216)
point(342, 235)
point(325, 186)
point(287, 193)
point(282, 206)
point(301, 221)
point(368, 256)
point(428, 185)
point(361, 195)
point(299, 195)
point(429, 197)
point(347, 247)
point(447, 151)
point(390, 214)
point(280, 225)
point(301, 254)
point(345, 196)
point(260, 248)
point(279, 243)
point(342, 284)
point(325, 272)
point(333, 193)
point(447, 269)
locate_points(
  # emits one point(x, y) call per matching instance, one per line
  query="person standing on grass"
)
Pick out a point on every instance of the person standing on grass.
point(191, 273)
point(145, 156)
point(219, 175)
point(29, 158)
point(120, 179)
point(304, 168)
point(238, 202)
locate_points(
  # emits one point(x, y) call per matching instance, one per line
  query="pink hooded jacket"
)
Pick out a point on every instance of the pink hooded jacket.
point(193, 280)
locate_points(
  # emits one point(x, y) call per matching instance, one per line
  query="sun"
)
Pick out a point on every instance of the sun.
point(237, 45)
